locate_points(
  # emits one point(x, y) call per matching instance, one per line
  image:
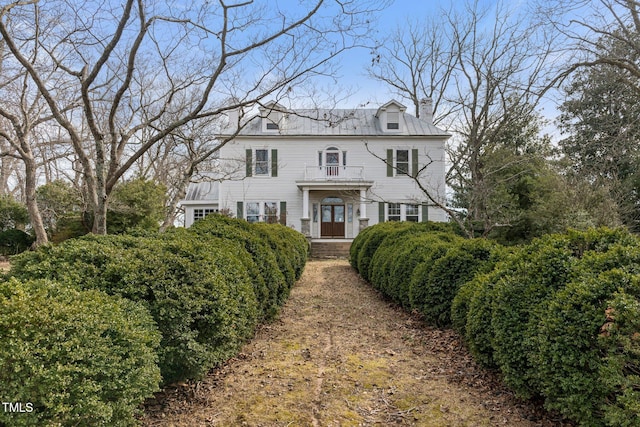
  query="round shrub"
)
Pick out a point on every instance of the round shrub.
point(77, 357)
point(419, 288)
point(396, 258)
point(541, 269)
point(471, 312)
point(458, 265)
point(291, 249)
point(424, 258)
point(295, 244)
point(372, 241)
point(531, 277)
point(197, 290)
point(272, 283)
point(356, 246)
point(589, 350)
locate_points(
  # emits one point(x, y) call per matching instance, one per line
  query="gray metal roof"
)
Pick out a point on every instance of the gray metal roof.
point(206, 190)
point(339, 122)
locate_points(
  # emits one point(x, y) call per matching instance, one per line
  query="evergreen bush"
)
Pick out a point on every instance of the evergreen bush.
point(13, 241)
point(199, 294)
point(271, 285)
point(76, 357)
point(460, 263)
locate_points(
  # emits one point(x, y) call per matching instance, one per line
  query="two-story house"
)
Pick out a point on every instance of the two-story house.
point(328, 173)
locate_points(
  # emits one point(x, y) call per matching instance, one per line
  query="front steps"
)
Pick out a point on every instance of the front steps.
point(330, 248)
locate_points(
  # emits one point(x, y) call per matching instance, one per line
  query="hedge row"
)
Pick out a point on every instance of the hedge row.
point(420, 265)
point(205, 288)
point(559, 317)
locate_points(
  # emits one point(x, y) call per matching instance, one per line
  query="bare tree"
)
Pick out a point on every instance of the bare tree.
point(22, 114)
point(133, 63)
point(490, 68)
point(418, 62)
point(590, 28)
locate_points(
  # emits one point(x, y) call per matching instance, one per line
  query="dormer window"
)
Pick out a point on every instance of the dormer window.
point(389, 116)
point(393, 120)
point(273, 117)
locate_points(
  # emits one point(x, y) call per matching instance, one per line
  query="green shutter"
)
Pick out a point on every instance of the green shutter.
point(274, 162)
point(240, 210)
point(283, 213)
point(389, 162)
point(414, 162)
point(249, 162)
point(380, 211)
point(425, 212)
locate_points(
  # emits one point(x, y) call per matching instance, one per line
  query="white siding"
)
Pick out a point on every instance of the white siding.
point(296, 153)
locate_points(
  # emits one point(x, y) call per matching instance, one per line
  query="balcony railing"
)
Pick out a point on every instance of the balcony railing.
point(331, 173)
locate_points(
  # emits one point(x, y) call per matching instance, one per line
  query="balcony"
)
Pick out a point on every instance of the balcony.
point(334, 173)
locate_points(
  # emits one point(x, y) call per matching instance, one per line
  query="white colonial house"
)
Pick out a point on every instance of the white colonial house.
point(328, 173)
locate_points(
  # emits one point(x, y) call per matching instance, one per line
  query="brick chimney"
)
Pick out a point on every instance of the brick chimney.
point(426, 110)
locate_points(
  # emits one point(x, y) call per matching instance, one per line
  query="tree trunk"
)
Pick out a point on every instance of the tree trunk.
point(32, 205)
point(180, 194)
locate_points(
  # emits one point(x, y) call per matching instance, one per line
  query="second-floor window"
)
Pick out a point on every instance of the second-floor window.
point(402, 162)
point(261, 162)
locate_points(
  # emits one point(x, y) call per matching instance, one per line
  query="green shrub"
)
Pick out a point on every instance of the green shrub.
point(271, 285)
point(397, 256)
point(78, 357)
point(532, 276)
point(197, 291)
point(290, 247)
point(418, 280)
point(472, 308)
point(543, 267)
point(295, 244)
point(459, 265)
point(372, 240)
point(356, 245)
point(588, 358)
point(13, 241)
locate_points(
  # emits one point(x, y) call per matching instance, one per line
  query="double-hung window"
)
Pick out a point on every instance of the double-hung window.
point(402, 212)
point(263, 212)
point(394, 212)
point(411, 213)
point(393, 120)
point(262, 162)
point(271, 212)
point(402, 162)
point(253, 211)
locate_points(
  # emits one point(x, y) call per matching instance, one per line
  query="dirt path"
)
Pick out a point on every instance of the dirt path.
point(339, 355)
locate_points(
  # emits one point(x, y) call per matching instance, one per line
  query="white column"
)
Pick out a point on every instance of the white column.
point(363, 205)
point(305, 203)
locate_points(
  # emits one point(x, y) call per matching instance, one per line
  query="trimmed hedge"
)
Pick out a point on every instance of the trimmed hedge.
point(206, 287)
point(440, 282)
point(560, 317)
point(76, 357)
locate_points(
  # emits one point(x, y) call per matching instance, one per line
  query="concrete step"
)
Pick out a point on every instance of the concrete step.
point(328, 249)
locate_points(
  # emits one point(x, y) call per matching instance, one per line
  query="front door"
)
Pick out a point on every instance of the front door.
point(332, 224)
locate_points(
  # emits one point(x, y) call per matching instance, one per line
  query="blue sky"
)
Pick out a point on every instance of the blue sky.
point(353, 65)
